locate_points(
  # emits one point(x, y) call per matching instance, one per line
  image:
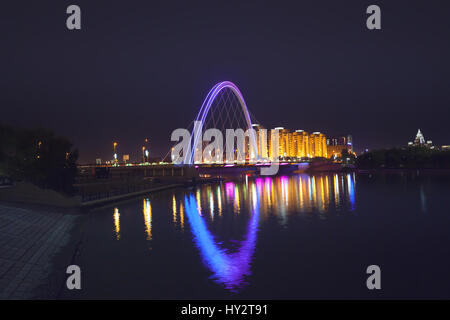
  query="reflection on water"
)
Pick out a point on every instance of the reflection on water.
point(174, 209)
point(116, 217)
point(199, 202)
point(219, 200)
point(284, 195)
point(281, 237)
point(229, 268)
point(351, 190)
point(147, 211)
point(255, 200)
point(280, 196)
point(181, 216)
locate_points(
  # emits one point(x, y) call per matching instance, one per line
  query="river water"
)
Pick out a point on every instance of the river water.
point(291, 237)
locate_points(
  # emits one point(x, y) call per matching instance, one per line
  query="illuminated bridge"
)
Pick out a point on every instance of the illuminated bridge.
point(222, 112)
point(223, 108)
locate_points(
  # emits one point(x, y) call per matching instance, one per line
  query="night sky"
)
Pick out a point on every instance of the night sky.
point(140, 69)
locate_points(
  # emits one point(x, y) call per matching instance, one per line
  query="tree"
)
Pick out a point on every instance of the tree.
point(38, 156)
point(412, 158)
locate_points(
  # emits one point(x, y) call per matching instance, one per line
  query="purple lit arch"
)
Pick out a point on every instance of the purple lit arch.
point(211, 96)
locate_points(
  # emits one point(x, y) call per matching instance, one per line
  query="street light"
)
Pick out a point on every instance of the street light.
point(115, 144)
point(145, 151)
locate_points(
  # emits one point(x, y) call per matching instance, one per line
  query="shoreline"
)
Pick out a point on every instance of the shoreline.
point(424, 171)
point(44, 199)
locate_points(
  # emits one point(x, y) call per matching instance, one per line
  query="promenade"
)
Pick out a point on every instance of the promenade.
point(35, 249)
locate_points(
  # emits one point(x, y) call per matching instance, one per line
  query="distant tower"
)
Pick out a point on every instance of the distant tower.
point(419, 140)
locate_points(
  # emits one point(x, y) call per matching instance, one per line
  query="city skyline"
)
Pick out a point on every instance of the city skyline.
point(309, 66)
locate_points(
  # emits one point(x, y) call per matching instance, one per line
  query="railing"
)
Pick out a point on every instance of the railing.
point(115, 191)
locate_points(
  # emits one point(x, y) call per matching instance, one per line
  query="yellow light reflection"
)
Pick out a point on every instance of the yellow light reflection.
point(199, 203)
point(147, 211)
point(327, 192)
point(237, 205)
point(296, 194)
point(337, 199)
point(269, 190)
point(219, 201)
point(314, 190)
point(117, 222)
point(174, 209)
point(322, 196)
point(300, 191)
point(283, 196)
point(181, 216)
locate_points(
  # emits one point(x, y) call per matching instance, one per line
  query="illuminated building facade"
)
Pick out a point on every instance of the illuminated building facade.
point(283, 149)
point(300, 141)
point(335, 145)
point(297, 144)
point(284, 146)
point(318, 145)
point(261, 141)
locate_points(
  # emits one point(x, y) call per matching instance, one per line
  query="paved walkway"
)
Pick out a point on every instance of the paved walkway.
point(30, 242)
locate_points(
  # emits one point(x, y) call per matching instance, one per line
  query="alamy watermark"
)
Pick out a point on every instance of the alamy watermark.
point(73, 21)
point(74, 279)
point(374, 280)
point(240, 147)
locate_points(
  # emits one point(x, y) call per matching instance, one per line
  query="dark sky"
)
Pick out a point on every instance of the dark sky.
point(142, 68)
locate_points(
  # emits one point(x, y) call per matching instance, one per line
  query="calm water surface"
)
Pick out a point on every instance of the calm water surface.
point(301, 236)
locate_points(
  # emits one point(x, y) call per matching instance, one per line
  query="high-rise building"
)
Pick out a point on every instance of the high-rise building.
point(284, 145)
point(292, 139)
point(318, 145)
point(296, 144)
point(283, 148)
point(261, 141)
point(301, 139)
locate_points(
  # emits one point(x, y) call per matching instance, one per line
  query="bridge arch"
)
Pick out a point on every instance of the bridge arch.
point(206, 106)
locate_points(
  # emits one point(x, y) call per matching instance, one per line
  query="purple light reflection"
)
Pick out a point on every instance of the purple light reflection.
point(229, 269)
